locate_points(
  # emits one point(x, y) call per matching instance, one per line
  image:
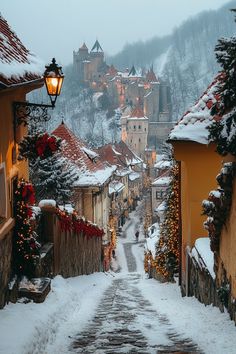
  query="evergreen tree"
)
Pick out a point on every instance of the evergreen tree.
point(53, 178)
point(223, 131)
point(167, 249)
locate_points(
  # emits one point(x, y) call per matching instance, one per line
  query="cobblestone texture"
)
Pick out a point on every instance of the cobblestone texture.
point(122, 313)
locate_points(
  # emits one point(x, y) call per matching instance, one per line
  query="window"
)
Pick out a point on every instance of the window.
point(139, 126)
point(3, 192)
point(134, 127)
point(139, 140)
point(159, 194)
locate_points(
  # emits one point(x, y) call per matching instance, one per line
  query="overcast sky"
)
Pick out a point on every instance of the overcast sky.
point(54, 28)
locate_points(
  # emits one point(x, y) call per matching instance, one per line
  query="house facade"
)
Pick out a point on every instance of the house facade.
point(20, 73)
point(199, 165)
point(91, 189)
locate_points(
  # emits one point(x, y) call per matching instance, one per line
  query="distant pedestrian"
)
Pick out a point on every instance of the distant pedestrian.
point(113, 253)
point(137, 235)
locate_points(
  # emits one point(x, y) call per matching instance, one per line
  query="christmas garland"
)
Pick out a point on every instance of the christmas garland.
point(39, 145)
point(25, 246)
point(218, 205)
point(74, 223)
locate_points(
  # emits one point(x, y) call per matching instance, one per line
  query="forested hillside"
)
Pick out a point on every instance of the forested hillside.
point(186, 59)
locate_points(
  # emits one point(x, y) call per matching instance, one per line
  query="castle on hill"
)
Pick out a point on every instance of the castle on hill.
point(129, 90)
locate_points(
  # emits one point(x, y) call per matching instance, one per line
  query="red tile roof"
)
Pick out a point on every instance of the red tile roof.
point(112, 70)
point(118, 154)
point(151, 76)
point(137, 112)
point(83, 47)
point(72, 148)
point(17, 64)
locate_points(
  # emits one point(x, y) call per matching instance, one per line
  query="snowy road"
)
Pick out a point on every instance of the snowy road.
point(125, 321)
point(117, 312)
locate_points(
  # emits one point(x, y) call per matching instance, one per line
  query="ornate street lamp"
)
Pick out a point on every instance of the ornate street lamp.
point(53, 79)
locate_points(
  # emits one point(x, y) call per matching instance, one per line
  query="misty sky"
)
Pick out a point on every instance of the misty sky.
point(54, 28)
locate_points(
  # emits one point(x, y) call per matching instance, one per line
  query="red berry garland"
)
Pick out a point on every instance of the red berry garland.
point(72, 222)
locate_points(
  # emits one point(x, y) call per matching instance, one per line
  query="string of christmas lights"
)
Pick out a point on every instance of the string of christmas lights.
point(167, 251)
point(25, 245)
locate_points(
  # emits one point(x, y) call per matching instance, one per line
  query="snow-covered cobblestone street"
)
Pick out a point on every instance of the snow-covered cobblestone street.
point(125, 322)
point(121, 311)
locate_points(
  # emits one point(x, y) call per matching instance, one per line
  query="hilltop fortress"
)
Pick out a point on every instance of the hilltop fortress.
point(132, 91)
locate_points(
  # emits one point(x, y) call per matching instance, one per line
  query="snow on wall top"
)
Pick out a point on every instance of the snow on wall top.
point(202, 248)
point(192, 126)
point(91, 170)
point(17, 64)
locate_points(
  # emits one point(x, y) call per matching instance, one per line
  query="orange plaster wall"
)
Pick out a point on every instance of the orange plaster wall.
point(200, 165)
point(20, 168)
point(228, 246)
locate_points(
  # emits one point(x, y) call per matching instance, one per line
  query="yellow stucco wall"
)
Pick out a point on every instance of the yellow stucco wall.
point(17, 168)
point(7, 140)
point(227, 253)
point(200, 165)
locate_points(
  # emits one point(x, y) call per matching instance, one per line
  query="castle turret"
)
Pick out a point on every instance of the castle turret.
point(97, 47)
point(137, 130)
point(79, 62)
point(98, 66)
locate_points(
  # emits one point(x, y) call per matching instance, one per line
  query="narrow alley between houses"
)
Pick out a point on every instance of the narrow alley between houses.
point(120, 311)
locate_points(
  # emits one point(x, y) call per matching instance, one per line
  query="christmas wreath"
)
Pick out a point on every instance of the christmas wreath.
point(39, 145)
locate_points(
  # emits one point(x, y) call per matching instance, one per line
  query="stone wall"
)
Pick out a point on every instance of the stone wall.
point(201, 284)
point(204, 288)
point(5, 266)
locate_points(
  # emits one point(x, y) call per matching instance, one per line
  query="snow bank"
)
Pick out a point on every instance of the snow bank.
point(25, 327)
point(202, 248)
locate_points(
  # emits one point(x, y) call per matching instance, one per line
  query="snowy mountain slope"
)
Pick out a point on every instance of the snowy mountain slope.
point(190, 63)
point(87, 114)
point(185, 59)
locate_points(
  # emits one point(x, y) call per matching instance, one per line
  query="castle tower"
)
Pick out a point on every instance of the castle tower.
point(98, 65)
point(152, 97)
point(80, 61)
point(137, 130)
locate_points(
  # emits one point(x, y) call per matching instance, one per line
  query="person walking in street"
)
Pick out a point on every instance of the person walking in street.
point(137, 235)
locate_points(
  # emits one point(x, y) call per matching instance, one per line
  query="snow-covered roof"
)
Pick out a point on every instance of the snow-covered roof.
point(91, 154)
point(122, 172)
point(115, 187)
point(163, 164)
point(17, 64)
point(119, 154)
point(193, 125)
point(91, 170)
point(202, 248)
point(133, 176)
point(161, 181)
point(96, 178)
